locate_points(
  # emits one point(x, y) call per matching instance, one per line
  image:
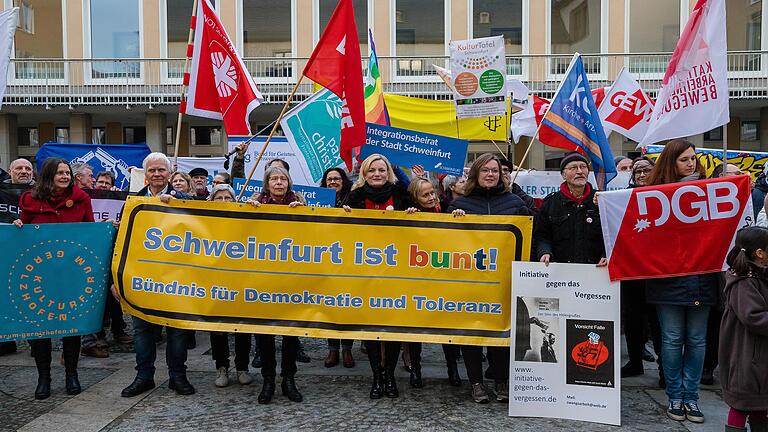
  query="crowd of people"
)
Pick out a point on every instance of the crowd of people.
point(686, 317)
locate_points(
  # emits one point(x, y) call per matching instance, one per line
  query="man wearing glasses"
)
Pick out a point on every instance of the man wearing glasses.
point(567, 229)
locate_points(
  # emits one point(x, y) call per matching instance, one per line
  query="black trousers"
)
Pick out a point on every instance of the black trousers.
point(638, 315)
point(451, 353)
point(41, 351)
point(391, 354)
point(220, 350)
point(713, 338)
point(498, 359)
point(113, 316)
point(414, 349)
point(268, 360)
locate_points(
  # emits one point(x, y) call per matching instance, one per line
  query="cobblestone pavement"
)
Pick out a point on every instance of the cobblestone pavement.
point(335, 398)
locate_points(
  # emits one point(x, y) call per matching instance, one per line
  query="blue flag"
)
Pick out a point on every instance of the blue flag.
point(115, 158)
point(573, 114)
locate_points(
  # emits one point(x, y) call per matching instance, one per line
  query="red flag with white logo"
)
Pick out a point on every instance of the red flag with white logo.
point(336, 65)
point(220, 86)
point(674, 229)
point(627, 109)
point(694, 94)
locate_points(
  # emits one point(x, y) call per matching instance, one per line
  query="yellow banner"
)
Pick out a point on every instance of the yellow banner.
point(439, 118)
point(319, 272)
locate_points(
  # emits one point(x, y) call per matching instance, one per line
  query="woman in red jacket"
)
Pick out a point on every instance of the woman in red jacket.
point(55, 199)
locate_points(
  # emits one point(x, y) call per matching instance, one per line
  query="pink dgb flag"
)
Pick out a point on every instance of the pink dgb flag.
point(220, 86)
point(694, 95)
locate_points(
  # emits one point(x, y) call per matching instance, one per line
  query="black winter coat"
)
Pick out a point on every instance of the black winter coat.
point(569, 232)
point(401, 200)
point(696, 290)
point(494, 201)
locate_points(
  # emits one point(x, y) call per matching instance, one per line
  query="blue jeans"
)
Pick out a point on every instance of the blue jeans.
point(683, 344)
point(146, 350)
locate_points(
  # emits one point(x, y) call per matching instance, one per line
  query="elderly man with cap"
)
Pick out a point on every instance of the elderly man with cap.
point(567, 228)
point(200, 182)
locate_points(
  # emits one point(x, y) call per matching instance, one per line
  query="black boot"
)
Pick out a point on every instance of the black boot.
point(415, 379)
point(72, 383)
point(454, 378)
point(289, 389)
point(267, 390)
point(43, 390)
point(390, 385)
point(377, 389)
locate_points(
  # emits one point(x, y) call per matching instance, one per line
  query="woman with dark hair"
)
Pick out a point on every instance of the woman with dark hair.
point(488, 193)
point(55, 199)
point(682, 302)
point(744, 332)
point(278, 189)
point(641, 169)
point(336, 178)
point(377, 189)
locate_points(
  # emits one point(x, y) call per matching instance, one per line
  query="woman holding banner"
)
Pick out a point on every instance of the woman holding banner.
point(425, 199)
point(683, 302)
point(55, 199)
point(488, 193)
point(278, 189)
point(336, 179)
point(377, 189)
point(182, 182)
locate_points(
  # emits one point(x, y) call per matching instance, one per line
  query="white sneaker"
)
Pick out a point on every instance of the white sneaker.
point(222, 377)
point(244, 378)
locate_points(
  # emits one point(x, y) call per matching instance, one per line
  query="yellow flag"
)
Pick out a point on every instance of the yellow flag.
point(439, 118)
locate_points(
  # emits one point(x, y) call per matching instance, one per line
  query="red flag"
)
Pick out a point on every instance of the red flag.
point(336, 65)
point(220, 86)
point(648, 230)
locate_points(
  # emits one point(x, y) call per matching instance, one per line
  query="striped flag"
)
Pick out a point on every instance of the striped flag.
point(375, 108)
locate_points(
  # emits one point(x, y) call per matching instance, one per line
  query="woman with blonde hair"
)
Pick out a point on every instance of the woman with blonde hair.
point(377, 189)
point(182, 182)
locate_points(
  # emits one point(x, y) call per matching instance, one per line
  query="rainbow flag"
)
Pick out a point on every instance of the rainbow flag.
point(375, 108)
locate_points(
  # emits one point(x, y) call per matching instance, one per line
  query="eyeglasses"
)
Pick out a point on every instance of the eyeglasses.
point(582, 167)
point(486, 171)
point(333, 179)
point(643, 170)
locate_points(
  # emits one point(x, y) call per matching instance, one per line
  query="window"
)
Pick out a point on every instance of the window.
point(501, 17)
point(177, 14)
point(654, 26)
point(62, 134)
point(750, 130)
point(326, 8)
point(267, 33)
point(575, 27)
point(134, 135)
point(420, 33)
point(115, 38)
point(744, 26)
point(98, 135)
point(205, 135)
point(39, 35)
point(27, 137)
point(715, 134)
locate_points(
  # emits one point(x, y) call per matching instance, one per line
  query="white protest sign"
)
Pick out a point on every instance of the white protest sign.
point(138, 180)
point(565, 360)
point(213, 165)
point(478, 71)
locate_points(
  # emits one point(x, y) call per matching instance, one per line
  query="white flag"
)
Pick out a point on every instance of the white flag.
point(8, 20)
point(523, 123)
point(694, 95)
point(626, 108)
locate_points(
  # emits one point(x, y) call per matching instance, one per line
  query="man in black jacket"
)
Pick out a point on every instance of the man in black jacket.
point(567, 228)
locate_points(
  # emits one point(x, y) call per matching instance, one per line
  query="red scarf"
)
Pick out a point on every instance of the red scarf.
point(567, 193)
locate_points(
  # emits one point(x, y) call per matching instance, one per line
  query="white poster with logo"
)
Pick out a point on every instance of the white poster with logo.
point(565, 359)
point(479, 74)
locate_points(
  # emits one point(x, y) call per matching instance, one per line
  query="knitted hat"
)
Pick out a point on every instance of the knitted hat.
point(572, 157)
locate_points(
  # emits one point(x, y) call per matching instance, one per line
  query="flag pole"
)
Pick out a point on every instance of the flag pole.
point(269, 138)
point(184, 87)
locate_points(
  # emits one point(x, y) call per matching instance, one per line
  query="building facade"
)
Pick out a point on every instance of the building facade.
point(109, 71)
